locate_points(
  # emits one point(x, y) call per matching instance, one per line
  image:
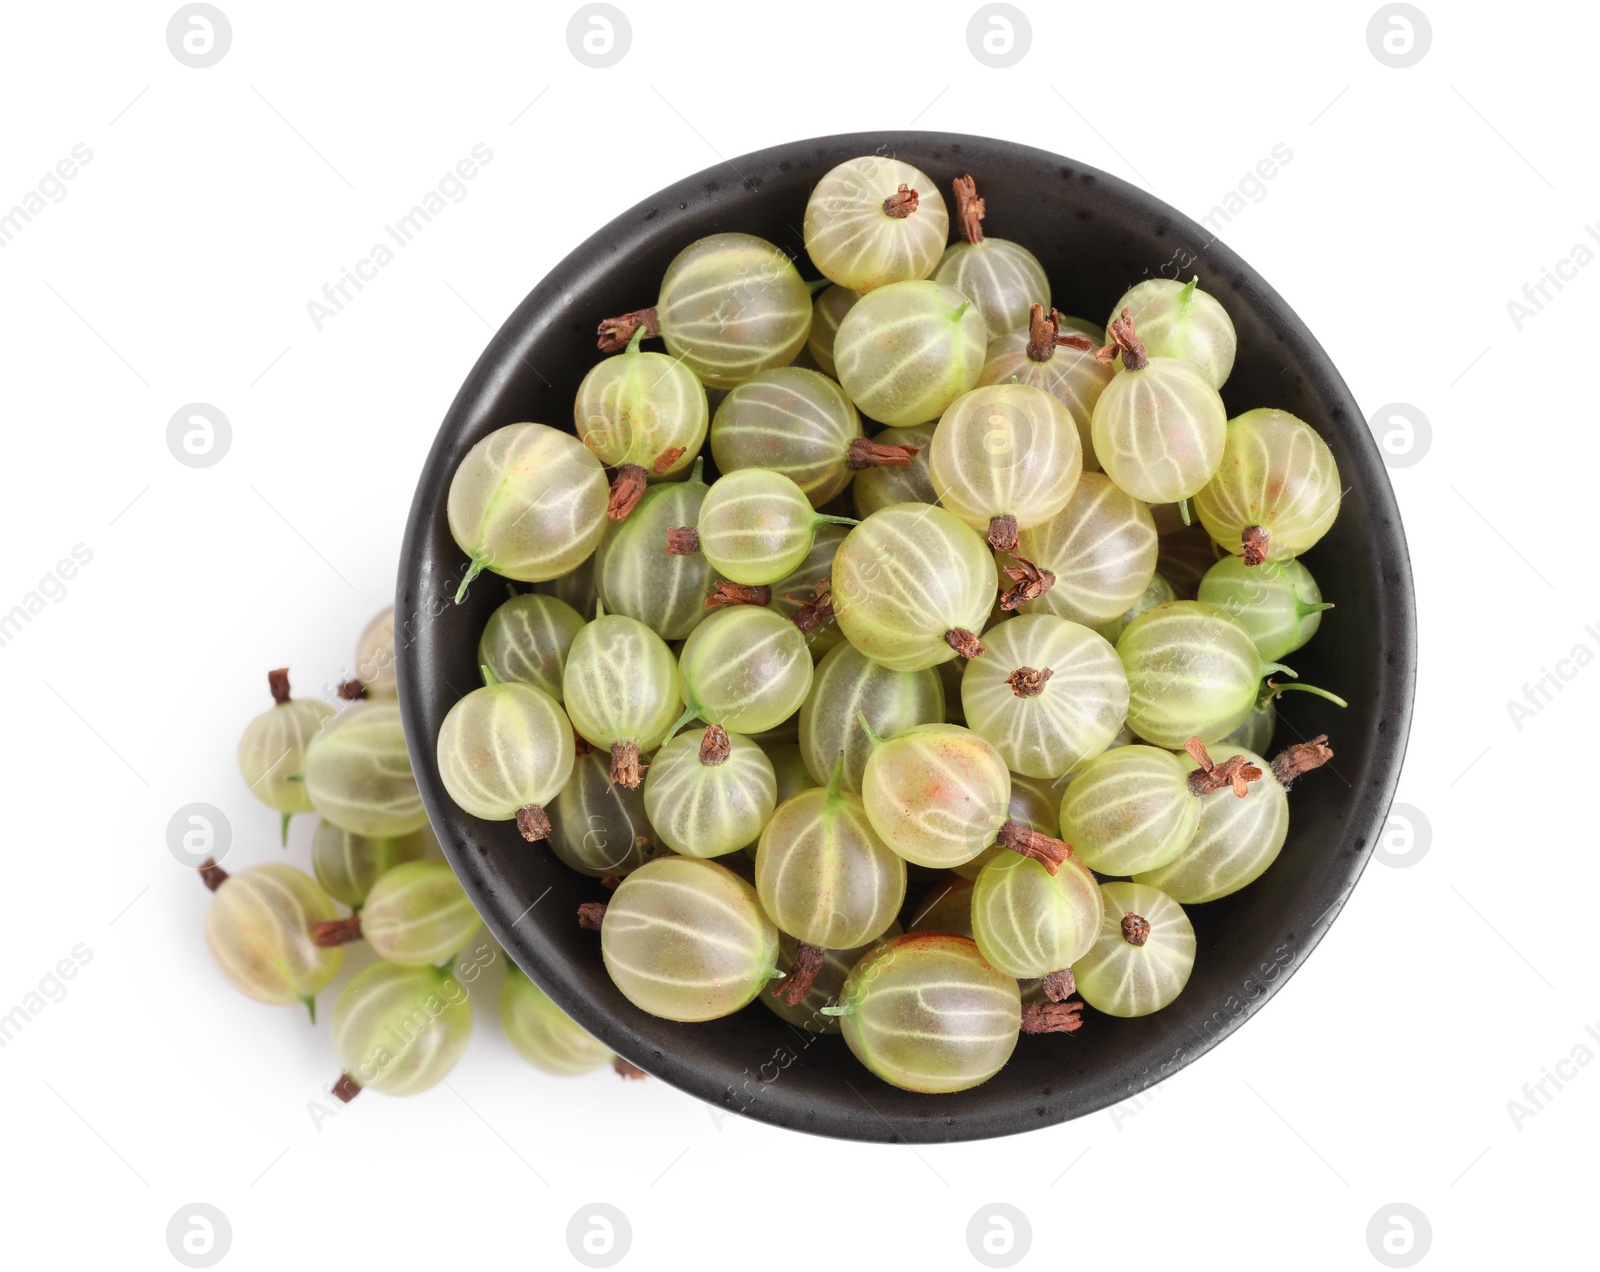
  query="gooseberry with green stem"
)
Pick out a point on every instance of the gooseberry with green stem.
point(731, 305)
point(1277, 602)
point(754, 527)
point(873, 221)
point(399, 1030)
point(621, 691)
point(1002, 277)
point(358, 772)
point(849, 687)
point(709, 794)
point(1062, 363)
point(1275, 492)
point(272, 749)
point(906, 352)
point(1144, 953)
point(416, 915)
point(1178, 320)
point(745, 668)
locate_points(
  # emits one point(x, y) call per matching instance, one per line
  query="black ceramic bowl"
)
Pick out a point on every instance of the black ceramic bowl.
point(1096, 236)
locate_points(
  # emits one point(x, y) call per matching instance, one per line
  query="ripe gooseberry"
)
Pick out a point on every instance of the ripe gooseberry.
point(1003, 278)
point(348, 865)
point(1143, 956)
point(1063, 364)
point(1090, 562)
point(635, 578)
point(528, 502)
point(504, 751)
point(399, 1030)
point(946, 906)
point(730, 305)
point(685, 939)
point(906, 352)
point(526, 641)
point(1036, 804)
point(1178, 320)
point(709, 794)
point(258, 929)
point(358, 772)
point(873, 221)
point(1046, 694)
point(1277, 602)
point(1005, 457)
point(416, 915)
point(272, 749)
point(912, 587)
point(876, 488)
point(745, 668)
point(755, 526)
point(1159, 425)
point(598, 827)
point(1276, 489)
point(1031, 923)
point(621, 691)
point(544, 1035)
point(827, 311)
point(849, 688)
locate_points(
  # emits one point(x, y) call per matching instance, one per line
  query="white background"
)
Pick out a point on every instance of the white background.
point(178, 268)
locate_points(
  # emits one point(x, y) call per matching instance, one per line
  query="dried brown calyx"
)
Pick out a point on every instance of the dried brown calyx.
point(683, 541)
point(1135, 928)
point(616, 332)
point(627, 1069)
point(1029, 682)
point(580, 745)
point(1044, 335)
point(346, 1088)
point(627, 488)
point(802, 974)
point(963, 642)
point(611, 882)
point(1060, 986)
point(278, 682)
point(1235, 771)
point(336, 932)
point(625, 765)
point(533, 823)
point(1042, 1018)
point(901, 204)
point(1032, 581)
point(1124, 340)
point(1003, 533)
point(1048, 852)
point(726, 593)
point(666, 460)
point(969, 208)
point(816, 611)
point(591, 914)
point(352, 690)
point(714, 747)
point(211, 874)
point(863, 452)
point(1300, 758)
point(1254, 541)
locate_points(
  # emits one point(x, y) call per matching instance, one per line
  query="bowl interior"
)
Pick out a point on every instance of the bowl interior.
point(1096, 236)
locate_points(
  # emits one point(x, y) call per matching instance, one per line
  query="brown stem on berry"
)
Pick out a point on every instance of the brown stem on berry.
point(969, 208)
point(1029, 682)
point(1042, 1018)
point(625, 766)
point(1044, 335)
point(726, 593)
point(611, 882)
point(683, 541)
point(1048, 852)
point(1003, 533)
point(627, 1069)
point(1254, 541)
point(278, 682)
point(616, 332)
point(1235, 771)
point(963, 642)
point(352, 690)
point(1300, 758)
point(580, 745)
point(1124, 340)
point(813, 613)
point(666, 460)
point(863, 452)
point(714, 747)
point(346, 1088)
point(901, 204)
point(591, 914)
point(1135, 928)
point(325, 936)
point(1032, 582)
point(801, 976)
point(627, 488)
point(1060, 986)
point(533, 822)
point(211, 874)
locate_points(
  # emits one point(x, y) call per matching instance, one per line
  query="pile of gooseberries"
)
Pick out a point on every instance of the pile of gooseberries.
point(900, 652)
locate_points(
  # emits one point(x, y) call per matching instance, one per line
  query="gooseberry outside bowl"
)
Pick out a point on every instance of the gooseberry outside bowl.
point(1096, 236)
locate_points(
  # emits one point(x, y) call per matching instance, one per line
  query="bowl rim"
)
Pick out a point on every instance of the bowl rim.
point(420, 575)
